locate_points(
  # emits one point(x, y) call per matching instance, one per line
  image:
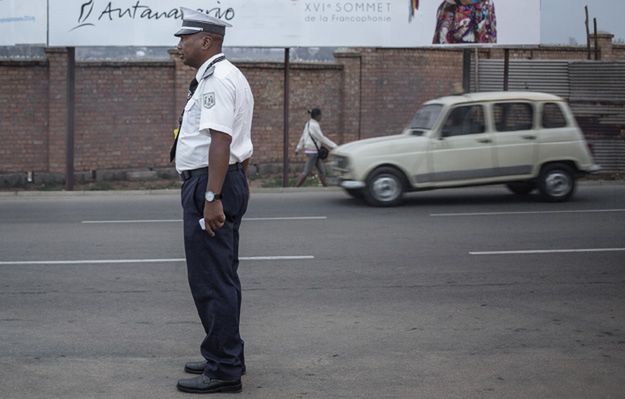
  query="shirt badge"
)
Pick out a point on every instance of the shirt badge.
point(208, 100)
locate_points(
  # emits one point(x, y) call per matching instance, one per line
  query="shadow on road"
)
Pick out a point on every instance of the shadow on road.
point(453, 197)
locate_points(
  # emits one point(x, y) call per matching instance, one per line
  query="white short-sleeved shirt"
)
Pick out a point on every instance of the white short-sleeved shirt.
point(223, 102)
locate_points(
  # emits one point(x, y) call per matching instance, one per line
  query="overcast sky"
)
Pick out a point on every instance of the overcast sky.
point(563, 20)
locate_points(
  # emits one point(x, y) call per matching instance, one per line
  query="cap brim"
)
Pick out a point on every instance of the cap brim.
point(186, 31)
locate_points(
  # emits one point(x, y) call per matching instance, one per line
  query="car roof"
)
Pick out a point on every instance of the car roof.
point(495, 96)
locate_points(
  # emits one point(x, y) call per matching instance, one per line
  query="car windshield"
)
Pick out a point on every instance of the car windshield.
point(426, 117)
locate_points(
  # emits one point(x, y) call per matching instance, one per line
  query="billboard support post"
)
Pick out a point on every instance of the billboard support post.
point(587, 34)
point(466, 70)
point(506, 68)
point(70, 115)
point(285, 152)
point(477, 70)
point(597, 50)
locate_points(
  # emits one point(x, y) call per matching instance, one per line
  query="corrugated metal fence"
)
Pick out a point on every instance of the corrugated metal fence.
point(594, 89)
point(545, 76)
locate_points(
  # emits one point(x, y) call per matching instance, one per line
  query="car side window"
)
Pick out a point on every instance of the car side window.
point(464, 120)
point(553, 117)
point(510, 117)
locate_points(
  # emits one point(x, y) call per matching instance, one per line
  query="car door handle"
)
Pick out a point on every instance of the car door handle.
point(529, 137)
point(484, 140)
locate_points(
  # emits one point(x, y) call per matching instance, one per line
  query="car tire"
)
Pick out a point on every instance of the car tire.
point(521, 187)
point(354, 192)
point(385, 187)
point(556, 182)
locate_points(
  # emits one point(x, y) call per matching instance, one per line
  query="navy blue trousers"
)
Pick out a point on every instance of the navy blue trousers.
point(212, 264)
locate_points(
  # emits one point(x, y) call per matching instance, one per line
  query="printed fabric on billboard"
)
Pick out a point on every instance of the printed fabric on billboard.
point(300, 23)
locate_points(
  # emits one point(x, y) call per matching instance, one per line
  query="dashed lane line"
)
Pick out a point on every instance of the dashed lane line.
point(127, 261)
point(547, 251)
point(526, 212)
point(269, 219)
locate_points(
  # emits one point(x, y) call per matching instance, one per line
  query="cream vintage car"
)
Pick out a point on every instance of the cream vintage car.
point(524, 140)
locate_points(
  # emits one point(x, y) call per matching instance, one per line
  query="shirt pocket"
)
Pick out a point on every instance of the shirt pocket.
point(191, 117)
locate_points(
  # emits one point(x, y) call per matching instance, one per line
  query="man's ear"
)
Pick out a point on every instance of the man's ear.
point(207, 42)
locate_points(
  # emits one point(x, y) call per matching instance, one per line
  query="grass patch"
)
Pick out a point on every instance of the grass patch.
point(276, 182)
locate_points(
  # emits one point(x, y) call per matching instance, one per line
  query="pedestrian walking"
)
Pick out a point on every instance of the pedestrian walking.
point(312, 141)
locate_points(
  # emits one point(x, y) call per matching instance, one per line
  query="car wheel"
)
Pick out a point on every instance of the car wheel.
point(354, 192)
point(556, 182)
point(521, 187)
point(385, 187)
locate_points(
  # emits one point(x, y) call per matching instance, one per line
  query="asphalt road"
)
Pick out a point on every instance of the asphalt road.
point(468, 293)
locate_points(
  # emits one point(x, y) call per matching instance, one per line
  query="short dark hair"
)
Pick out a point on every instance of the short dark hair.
point(315, 112)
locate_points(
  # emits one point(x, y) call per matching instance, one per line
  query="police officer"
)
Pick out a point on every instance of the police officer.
point(211, 151)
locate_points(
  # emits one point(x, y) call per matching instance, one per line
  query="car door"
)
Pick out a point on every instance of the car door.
point(462, 152)
point(515, 138)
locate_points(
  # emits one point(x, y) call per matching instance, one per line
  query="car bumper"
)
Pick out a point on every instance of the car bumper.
point(351, 184)
point(594, 169)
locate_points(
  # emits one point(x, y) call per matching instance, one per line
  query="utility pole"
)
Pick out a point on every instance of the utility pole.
point(587, 34)
point(71, 108)
point(285, 139)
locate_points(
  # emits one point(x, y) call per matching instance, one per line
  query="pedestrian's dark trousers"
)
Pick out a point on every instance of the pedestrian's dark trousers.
point(212, 264)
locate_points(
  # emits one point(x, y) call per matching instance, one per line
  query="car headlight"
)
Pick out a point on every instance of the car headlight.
point(340, 163)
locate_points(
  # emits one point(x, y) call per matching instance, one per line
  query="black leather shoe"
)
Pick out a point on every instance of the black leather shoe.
point(198, 368)
point(204, 384)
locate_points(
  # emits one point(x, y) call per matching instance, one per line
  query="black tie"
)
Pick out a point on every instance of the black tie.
point(192, 87)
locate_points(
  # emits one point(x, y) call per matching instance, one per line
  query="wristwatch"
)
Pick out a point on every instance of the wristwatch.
point(211, 196)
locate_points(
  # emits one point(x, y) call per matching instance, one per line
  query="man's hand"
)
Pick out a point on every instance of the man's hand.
point(214, 216)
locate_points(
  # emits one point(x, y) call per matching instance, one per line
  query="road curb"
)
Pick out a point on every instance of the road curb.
point(42, 194)
point(257, 190)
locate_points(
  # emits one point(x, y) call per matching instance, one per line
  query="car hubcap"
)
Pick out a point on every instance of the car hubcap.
point(558, 184)
point(386, 188)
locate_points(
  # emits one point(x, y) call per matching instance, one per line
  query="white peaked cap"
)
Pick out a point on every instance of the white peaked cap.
point(194, 21)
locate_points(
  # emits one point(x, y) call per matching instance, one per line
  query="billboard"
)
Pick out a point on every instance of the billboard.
point(300, 23)
point(23, 22)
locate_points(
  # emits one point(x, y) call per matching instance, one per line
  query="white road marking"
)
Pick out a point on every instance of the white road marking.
point(526, 212)
point(118, 261)
point(132, 221)
point(547, 251)
point(288, 218)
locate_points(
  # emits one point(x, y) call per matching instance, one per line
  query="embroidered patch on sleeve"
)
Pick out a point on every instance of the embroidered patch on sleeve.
point(208, 100)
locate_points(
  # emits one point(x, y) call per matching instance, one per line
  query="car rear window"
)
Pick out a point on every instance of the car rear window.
point(553, 117)
point(510, 117)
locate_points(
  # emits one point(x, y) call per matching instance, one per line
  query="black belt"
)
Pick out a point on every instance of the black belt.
point(187, 174)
